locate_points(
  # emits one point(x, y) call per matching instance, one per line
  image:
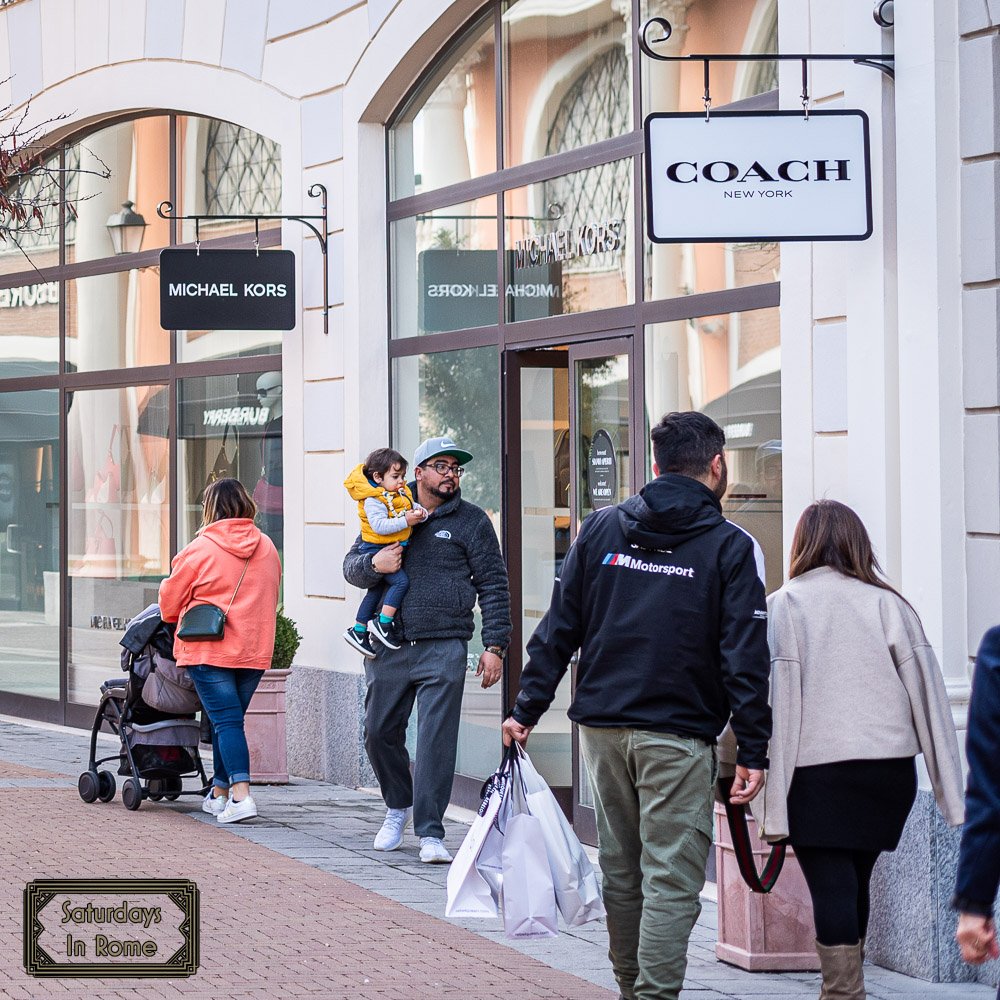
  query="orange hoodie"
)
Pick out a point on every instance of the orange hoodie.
point(206, 571)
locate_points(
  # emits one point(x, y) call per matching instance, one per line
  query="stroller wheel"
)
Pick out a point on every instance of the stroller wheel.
point(106, 786)
point(172, 788)
point(87, 786)
point(132, 794)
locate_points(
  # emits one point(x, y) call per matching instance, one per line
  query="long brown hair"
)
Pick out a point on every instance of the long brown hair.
point(227, 498)
point(830, 534)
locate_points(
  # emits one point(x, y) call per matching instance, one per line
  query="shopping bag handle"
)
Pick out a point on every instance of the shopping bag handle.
point(736, 815)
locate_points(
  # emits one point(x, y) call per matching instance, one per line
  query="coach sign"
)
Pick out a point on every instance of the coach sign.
point(745, 175)
point(227, 290)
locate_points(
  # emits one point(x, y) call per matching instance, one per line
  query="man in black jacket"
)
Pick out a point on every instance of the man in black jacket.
point(662, 597)
point(979, 856)
point(452, 558)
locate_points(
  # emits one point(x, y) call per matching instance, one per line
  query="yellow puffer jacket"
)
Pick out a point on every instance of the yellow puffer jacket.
point(361, 489)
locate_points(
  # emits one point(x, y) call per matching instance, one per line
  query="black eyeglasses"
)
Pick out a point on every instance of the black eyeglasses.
point(444, 469)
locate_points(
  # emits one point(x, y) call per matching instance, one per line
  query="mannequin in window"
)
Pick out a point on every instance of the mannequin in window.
point(268, 493)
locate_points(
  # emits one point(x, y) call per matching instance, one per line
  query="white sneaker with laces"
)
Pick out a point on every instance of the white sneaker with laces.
point(214, 804)
point(236, 812)
point(433, 851)
point(390, 836)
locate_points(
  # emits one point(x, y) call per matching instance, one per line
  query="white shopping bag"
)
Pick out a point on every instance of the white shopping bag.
point(529, 900)
point(469, 893)
point(577, 890)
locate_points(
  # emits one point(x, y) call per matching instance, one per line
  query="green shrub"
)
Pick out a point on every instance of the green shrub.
point(286, 641)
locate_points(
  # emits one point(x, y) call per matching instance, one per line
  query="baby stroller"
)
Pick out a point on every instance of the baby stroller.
point(154, 712)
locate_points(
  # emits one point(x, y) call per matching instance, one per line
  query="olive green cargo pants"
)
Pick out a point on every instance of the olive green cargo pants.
point(653, 795)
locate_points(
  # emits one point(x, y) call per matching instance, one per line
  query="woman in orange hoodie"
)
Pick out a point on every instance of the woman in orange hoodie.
point(230, 563)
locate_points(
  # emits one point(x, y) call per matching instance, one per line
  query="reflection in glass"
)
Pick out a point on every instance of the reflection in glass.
point(35, 242)
point(545, 536)
point(730, 368)
point(445, 269)
point(447, 133)
point(113, 321)
point(602, 411)
point(458, 393)
point(29, 542)
point(29, 329)
point(744, 26)
point(225, 169)
point(569, 243)
point(230, 426)
point(567, 77)
point(136, 154)
point(119, 525)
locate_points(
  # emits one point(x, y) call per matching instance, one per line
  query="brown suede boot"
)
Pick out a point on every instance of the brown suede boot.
point(843, 976)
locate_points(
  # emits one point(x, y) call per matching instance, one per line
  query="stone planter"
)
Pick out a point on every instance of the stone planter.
point(772, 932)
point(265, 729)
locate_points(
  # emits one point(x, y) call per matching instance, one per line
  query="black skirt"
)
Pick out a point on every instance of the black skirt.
point(857, 805)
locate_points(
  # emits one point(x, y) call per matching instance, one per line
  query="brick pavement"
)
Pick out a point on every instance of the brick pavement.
point(334, 909)
point(290, 929)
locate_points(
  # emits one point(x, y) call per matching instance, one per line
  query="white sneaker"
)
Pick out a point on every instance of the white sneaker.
point(391, 834)
point(214, 804)
point(433, 851)
point(236, 812)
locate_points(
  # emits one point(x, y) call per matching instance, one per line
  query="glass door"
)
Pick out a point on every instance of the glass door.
point(603, 453)
point(570, 452)
point(539, 533)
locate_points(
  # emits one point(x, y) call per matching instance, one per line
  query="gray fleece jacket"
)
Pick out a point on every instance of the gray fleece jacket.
point(853, 677)
point(452, 559)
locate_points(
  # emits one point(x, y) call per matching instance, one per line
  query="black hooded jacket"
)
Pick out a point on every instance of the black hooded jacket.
point(662, 598)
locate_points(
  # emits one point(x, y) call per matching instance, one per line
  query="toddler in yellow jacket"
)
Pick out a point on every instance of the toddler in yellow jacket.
point(387, 512)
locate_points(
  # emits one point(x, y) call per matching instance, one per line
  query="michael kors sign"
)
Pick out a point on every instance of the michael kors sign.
point(227, 290)
point(745, 175)
point(539, 249)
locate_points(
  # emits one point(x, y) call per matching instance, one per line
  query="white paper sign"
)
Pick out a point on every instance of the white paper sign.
point(745, 175)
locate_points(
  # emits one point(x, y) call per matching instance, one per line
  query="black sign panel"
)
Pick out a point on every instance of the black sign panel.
point(458, 289)
point(602, 471)
point(227, 290)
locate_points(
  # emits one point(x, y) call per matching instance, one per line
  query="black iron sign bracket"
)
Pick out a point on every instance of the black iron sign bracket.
point(165, 210)
point(882, 61)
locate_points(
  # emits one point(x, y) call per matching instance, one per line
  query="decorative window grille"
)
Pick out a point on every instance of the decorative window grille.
point(242, 172)
point(597, 106)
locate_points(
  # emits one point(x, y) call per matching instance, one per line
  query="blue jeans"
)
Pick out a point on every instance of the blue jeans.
point(391, 590)
point(225, 694)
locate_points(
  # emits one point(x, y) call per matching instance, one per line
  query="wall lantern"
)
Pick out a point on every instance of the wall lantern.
point(126, 229)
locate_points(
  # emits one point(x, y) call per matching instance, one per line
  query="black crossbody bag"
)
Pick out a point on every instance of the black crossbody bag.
point(207, 622)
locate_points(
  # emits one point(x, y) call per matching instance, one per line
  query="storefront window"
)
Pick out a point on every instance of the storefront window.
point(567, 77)
point(230, 426)
point(569, 243)
point(729, 367)
point(29, 543)
point(445, 269)
point(458, 393)
point(29, 329)
point(119, 526)
point(113, 321)
point(447, 132)
point(129, 162)
point(224, 169)
point(35, 242)
point(746, 26)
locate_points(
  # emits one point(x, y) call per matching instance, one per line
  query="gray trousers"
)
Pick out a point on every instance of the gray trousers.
point(432, 673)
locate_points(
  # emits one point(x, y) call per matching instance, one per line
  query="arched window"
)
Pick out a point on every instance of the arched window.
point(242, 171)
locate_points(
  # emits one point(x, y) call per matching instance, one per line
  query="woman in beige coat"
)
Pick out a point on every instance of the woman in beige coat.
point(856, 693)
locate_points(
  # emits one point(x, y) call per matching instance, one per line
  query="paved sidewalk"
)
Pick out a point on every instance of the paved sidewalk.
point(317, 912)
